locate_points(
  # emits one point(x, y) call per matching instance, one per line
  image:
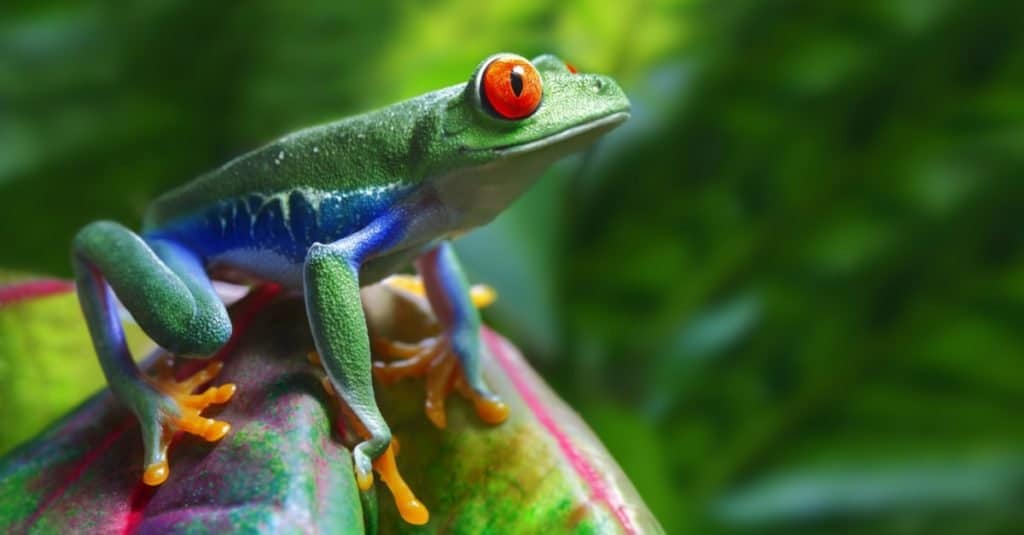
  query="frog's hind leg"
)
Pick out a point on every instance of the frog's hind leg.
point(168, 293)
point(450, 360)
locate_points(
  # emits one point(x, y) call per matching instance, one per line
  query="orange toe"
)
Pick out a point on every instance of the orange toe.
point(491, 412)
point(156, 473)
point(224, 392)
point(436, 415)
point(216, 431)
point(192, 405)
point(409, 507)
point(364, 481)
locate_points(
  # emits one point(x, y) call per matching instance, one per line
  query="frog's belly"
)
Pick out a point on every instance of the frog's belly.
point(267, 236)
point(247, 265)
point(243, 265)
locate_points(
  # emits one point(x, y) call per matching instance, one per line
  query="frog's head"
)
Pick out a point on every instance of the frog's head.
point(512, 120)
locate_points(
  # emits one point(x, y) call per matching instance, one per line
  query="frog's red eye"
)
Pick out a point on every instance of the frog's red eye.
point(571, 67)
point(511, 87)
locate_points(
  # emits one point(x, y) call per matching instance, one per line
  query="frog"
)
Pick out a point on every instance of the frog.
point(325, 211)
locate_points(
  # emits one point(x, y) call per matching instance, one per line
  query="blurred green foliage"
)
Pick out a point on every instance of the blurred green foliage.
point(788, 294)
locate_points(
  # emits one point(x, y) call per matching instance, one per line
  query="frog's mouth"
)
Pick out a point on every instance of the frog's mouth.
point(579, 135)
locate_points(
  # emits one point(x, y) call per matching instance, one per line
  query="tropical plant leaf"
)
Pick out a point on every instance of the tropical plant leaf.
point(46, 361)
point(281, 467)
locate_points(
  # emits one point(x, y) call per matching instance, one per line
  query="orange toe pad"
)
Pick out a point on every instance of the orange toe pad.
point(156, 474)
point(412, 510)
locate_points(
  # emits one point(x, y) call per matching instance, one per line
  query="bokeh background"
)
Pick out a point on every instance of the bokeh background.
point(788, 294)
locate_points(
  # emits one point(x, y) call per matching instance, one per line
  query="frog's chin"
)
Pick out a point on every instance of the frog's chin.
point(476, 194)
point(569, 140)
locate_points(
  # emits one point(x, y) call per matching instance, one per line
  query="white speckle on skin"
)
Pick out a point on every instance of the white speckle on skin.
point(316, 149)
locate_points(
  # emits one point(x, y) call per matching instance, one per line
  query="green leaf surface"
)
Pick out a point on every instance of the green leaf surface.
point(47, 364)
point(282, 467)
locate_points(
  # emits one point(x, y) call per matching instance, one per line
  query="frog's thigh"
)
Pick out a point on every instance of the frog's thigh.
point(209, 323)
point(163, 286)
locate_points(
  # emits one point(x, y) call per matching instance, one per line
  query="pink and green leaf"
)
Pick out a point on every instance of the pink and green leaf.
point(282, 467)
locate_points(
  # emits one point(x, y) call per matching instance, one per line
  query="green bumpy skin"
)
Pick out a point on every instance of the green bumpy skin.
point(325, 211)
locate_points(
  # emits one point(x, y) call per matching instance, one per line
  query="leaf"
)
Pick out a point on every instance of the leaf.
point(873, 488)
point(46, 361)
point(541, 471)
point(279, 466)
point(282, 467)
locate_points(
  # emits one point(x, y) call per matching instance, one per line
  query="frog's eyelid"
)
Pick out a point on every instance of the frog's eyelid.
point(550, 63)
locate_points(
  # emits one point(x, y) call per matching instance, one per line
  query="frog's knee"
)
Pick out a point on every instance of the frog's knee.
point(203, 336)
point(100, 227)
point(95, 237)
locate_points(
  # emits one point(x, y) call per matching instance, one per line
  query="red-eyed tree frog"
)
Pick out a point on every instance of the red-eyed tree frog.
point(325, 211)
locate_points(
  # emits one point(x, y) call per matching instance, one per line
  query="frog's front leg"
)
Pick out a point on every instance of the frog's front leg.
point(338, 324)
point(331, 282)
point(167, 291)
point(452, 359)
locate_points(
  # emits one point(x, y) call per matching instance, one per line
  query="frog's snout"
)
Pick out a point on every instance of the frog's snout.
point(608, 91)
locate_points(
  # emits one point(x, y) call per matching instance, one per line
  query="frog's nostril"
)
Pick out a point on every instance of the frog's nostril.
point(597, 84)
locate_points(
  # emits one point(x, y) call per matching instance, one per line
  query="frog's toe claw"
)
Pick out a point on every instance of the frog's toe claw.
point(209, 429)
point(210, 396)
point(434, 359)
point(409, 507)
point(488, 406)
point(411, 360)
point(412, 510)
point(439, 382)
point(202, 376)
point(156, 473)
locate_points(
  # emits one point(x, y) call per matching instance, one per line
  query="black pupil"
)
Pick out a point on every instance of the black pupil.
point(516, 78)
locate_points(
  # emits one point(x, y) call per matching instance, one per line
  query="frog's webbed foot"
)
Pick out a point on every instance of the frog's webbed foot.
point(436, 360)
point(411, 508)
point(171, 407)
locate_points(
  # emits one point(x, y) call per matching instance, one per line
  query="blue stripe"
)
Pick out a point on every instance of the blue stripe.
point(287, 223)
